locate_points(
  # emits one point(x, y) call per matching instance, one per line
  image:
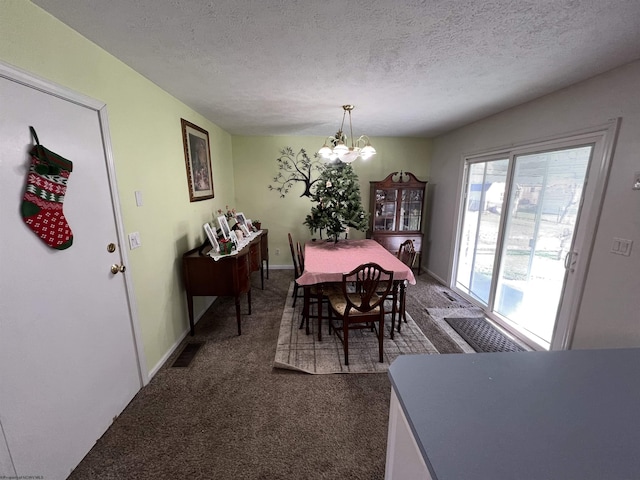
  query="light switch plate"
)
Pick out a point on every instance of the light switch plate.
point(621, 246)
point(134, 240)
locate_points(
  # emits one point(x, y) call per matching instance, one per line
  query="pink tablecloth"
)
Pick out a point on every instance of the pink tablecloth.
point(327, 261)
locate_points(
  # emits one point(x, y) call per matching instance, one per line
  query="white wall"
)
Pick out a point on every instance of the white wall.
point(609, 315)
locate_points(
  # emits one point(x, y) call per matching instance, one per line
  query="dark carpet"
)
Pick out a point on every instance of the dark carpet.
point(230, 415)
point(482, 336)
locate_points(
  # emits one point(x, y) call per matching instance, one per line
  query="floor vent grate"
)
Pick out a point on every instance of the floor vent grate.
point(186, 356)
point(449, 296)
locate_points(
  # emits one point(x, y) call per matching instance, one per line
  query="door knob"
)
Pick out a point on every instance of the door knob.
point(117, 268)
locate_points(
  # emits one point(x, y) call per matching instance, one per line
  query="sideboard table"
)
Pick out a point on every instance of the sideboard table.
point(229, 275)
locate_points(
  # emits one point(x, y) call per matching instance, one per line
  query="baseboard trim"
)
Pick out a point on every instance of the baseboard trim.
point(177, 343)
point(280, 267)
point(437, 277)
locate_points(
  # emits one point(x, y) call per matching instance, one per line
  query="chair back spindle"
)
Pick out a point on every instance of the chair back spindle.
point(407, 253)
point(296, 266)
point(373, 284)
point(362, 308)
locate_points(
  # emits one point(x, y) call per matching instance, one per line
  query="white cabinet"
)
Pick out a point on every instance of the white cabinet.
point(404, 459)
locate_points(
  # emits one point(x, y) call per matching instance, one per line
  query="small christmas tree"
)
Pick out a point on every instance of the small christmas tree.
point(339, 205)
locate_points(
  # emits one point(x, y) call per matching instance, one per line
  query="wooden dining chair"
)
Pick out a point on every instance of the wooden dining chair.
point(297, 271)
point(362, 307)
point(311, 292)
point(407, 255)
point(300, 253)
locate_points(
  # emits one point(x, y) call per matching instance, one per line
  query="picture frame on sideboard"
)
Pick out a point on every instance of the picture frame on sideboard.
point(211, 235)
point(224, 226)
point(242, 224)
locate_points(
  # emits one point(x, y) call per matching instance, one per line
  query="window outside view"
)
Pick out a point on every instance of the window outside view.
point(540, 221)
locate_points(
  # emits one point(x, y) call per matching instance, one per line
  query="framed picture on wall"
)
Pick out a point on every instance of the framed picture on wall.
point(197, 158)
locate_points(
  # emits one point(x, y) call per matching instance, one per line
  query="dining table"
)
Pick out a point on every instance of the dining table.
point(326, 261)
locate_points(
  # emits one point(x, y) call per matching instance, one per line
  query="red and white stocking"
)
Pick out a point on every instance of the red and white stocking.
point(44, 196)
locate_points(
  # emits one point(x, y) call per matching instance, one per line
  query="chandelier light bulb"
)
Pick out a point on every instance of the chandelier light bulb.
point(340, 149)
point(351, 155)
point(367, 152)
point(325, 151)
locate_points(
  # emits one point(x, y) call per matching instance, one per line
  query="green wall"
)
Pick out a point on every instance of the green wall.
point(144, 123)
point(255, 166)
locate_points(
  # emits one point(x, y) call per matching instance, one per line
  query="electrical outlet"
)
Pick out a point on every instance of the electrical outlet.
point(277, 251)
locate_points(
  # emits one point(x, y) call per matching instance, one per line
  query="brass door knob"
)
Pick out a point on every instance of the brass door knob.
point(117, 268)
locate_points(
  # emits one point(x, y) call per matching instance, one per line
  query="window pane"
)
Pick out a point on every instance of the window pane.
point(544, 206)
point(410, 210)
point(385, 218)
point(478, 243)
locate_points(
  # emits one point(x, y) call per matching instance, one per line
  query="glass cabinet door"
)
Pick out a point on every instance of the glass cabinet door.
point(411, 209)
point(385, 214)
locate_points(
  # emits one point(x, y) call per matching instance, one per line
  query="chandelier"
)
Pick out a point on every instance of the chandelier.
point(335, 147)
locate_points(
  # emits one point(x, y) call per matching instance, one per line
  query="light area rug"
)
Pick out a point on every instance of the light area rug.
point(301, 352)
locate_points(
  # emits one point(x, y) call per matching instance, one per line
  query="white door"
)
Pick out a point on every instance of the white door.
point(68, 357)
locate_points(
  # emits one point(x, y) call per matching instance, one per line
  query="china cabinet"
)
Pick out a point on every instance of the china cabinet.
point(396, 211)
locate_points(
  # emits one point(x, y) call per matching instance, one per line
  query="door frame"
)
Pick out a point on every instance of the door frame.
point(606, 134)
point(28, 79)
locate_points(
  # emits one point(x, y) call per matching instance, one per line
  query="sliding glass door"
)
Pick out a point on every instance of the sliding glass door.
point(484, 199)
point(540, 226)
point(520, 234)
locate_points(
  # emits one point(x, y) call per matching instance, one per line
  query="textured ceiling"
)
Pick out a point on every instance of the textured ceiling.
point(411, 67)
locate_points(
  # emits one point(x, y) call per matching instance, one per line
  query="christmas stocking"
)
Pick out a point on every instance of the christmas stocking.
point(44, 195)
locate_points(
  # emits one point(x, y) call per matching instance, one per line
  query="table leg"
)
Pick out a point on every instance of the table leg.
point(393, 308)
point(190, 307)
point(237, 298)
point(262, 274)
point(306, 308)
point(401, 313)
point(319, 306)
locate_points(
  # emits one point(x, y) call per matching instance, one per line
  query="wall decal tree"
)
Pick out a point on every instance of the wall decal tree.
point(296, 167)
